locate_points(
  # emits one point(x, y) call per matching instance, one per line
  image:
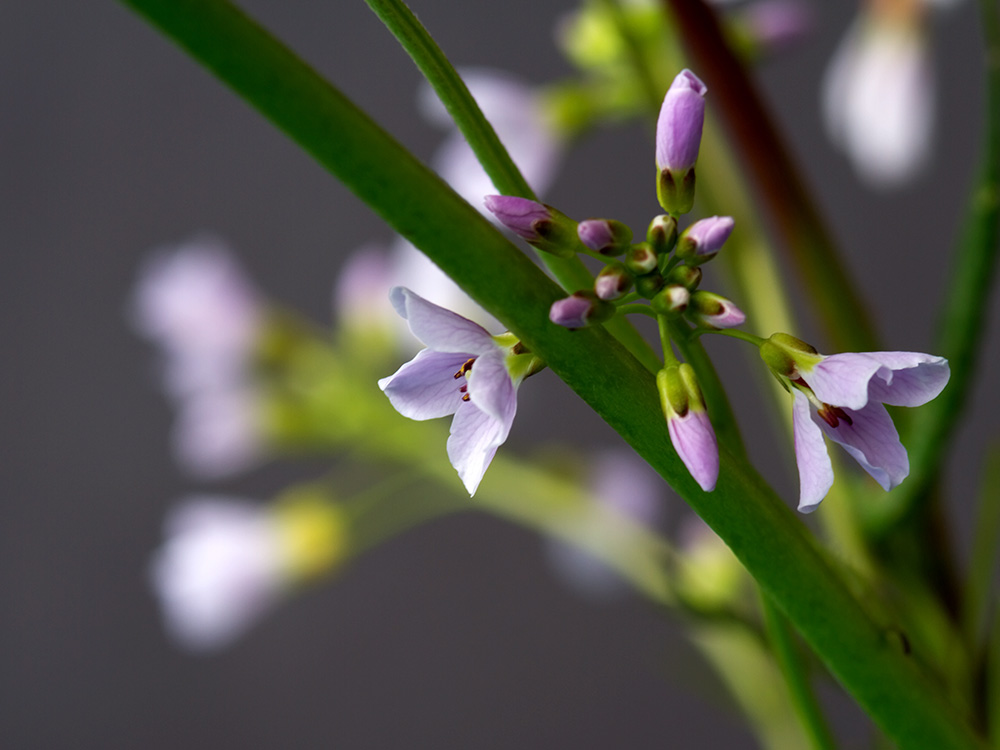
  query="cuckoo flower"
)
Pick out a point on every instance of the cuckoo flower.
point(842, 396)
point(463, 371)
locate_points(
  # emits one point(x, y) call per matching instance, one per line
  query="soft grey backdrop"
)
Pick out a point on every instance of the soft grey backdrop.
point(454, 636)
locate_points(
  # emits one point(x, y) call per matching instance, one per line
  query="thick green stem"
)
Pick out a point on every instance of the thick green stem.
point(761, 531)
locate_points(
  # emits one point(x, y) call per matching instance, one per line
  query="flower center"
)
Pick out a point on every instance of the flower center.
point(462, 372)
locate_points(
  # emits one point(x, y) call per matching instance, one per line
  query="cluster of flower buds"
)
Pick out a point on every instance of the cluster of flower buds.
point(658, 276)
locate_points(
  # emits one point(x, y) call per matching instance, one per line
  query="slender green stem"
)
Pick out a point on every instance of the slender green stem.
point(760, 530)
point(637, 56)
point(571, 273)
point(637, 309)
point(770, 167)
point(663, 326)
point(962, 320)
point(796, 677)
point(732, 333)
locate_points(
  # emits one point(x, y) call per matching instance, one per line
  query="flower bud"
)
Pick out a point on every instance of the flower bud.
point(703, 239)
point(647, 286)
point(672, 300)
point(662, 234)
point(541, 225)
point(580, 310)
point(605, 236)
point(687, 421)
point(612, 282)
point(714, 311)
point(678, 137)
point(688, 277)
point(640, 259)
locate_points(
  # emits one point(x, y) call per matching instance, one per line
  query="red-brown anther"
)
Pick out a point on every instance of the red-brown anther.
point(465, 368)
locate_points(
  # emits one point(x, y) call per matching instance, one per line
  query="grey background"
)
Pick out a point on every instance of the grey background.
point(455, 635)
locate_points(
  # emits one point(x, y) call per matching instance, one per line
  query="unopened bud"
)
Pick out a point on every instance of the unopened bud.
point(662, 234)
point(672, 300)
point(605, 236)
point(580, 310)
point(640, 259)
point(687, 276)
point(613, 282)
point(648, 285)
point(714, 311)
point(539, 224)
point(703, 239)
point(678, 138)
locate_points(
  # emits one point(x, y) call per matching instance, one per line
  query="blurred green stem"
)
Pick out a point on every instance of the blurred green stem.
point(962, 320)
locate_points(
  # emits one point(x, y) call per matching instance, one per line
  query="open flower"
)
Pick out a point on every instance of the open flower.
point(842, 396)
point(463, 371)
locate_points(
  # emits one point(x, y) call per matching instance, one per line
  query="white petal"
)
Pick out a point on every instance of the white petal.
point(426, 387)
point(815, 468)
point(475, 437)
point(438, 328)
point(842, 379)
point(873, 442)
point(908, 378)
point(491, 389)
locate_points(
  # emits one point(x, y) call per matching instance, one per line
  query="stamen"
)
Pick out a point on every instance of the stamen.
point(465, 368)
point(465, 396)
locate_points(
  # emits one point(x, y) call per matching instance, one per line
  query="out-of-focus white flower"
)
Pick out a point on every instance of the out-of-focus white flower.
point(227, 561)
point(879, 98)
point(621, 482)
point(217, 433)
point(196, 303)
point(220, 568)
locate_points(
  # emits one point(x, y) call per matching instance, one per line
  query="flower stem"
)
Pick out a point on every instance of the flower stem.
point(663, 325)
point(732, 333)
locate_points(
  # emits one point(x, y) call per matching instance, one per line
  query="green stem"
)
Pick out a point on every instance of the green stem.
point(733, 333)
point(637, 309)
point(796, 677)
point(761, 531)
point(962, 321)
point(770, 167)
point(571, 273)
point(663, 326)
